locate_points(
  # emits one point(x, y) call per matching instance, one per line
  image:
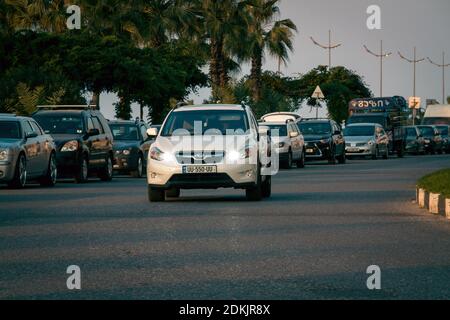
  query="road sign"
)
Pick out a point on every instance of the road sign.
point(318, 94)
point(415, 102)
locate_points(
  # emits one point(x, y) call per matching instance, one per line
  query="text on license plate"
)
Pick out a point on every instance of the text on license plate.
point(199, 169)
point(309, 150)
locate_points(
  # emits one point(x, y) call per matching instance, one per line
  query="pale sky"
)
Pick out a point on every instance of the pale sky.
point(405, 24)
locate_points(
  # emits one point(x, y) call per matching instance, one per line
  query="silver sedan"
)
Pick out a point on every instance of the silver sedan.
point(366, 139)
point(26, 153)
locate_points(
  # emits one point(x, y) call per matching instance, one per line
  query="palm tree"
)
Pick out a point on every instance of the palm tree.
point(266, 33)
point(38, 15)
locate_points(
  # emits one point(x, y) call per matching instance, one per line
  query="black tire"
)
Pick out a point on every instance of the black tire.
point(49, 180)
point(301, 162)
point(139, 172)
point(106, 173)
point(82, 174)
point(376, 155)
point(288, 163)
point(156, 195)
point(342, 159)
point(267, 187)
point(332, 158)
point(255, 193)
point(20, 173)
point(173, 193)
point(386, 155)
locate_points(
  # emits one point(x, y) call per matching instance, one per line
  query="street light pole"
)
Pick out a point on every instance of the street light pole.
point(329, 47)
point(381, 55)
point(443, 66)
point(414, 61)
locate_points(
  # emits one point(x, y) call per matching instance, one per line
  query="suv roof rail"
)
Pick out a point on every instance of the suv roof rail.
point(67, 107)
point(8, 115)
point(313, 119)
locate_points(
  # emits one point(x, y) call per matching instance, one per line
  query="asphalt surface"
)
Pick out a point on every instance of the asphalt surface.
point(314, 239)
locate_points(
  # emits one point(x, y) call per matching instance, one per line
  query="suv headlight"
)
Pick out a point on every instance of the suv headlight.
point(70, 146)
point(125, 152)
point(3, 154)
point(281, 145)
point(157, 154)
point(239, 155)
point(371, 143)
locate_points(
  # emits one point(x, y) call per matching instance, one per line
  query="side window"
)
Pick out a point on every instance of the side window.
point(98, 125)
point(90, 124)
point(27, 129)
point(36, 128)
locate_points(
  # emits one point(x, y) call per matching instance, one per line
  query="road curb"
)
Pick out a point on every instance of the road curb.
point(433, 202)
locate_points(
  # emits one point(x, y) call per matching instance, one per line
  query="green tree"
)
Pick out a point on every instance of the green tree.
point(265, 33)
point(339, 85)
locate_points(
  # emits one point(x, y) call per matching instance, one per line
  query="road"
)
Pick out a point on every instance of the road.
point(314, 239)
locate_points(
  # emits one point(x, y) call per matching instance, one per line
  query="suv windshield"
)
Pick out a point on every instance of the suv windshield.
point(427, 131)
point(10, 130)
point(359, 131)
point(124, 132)
point(282, 129)
point(211, 122)
point(316, 128)
point(61, 123)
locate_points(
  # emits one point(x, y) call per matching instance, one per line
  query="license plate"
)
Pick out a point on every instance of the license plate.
point(199, 169)
point(309, 150)
point(352, 150)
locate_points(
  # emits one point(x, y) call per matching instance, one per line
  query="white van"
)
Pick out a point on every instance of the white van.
point(437, 114)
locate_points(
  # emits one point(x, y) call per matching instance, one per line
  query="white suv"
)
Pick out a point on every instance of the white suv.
point(210, 147)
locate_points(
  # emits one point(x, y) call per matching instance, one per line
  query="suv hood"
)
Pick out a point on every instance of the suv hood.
point(311, 137)
point(203, 143)
point(359, 139)
point(121, 144)
point(9, 143)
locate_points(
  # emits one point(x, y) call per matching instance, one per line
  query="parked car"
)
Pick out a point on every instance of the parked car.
point(83, 138)
point(131, 146)
point(415, 142)
point(289, 142)
point(444, 131)
point(433, 140)
point(220, 149)
point(366, 139)
point(324, 140)
point(281, 117)
point(26, 153)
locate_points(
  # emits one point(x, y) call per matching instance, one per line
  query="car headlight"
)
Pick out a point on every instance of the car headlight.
point(427, 141)
point(371, 143)
point(125, 152)
point(281, 145)
point(158, 155)
point(70, 146)
point(239, 155)
point(3, 155)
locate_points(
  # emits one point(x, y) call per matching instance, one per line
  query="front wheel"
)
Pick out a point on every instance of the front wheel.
point(301, 162)
point(49, 180)
point(332, 158)
point(106, 173)
point(342, 159)
point(139, 172)
point(20, 174)
point(267, 187)
point(255, 193)
point(83, 171)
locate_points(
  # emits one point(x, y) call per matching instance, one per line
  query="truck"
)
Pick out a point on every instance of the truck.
point(438, 114)
point(390, 112)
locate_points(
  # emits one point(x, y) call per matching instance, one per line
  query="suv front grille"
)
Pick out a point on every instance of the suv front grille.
point(200, 157)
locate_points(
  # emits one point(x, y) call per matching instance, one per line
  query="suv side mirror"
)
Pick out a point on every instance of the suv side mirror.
point(31, 135)
point(93, 132)
point(152, 133)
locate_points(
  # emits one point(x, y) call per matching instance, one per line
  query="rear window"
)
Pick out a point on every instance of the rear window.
point(61, 123)
point(10, 130)
point(124, 132)
point(316, 128)
point(359, 131)
point(282, 129)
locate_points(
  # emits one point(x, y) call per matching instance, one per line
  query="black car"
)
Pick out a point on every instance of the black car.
point(415, 142)
point(444, 130)
point(131, 146)
point(323, 140)
point(433, 140)
point(83, 138)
